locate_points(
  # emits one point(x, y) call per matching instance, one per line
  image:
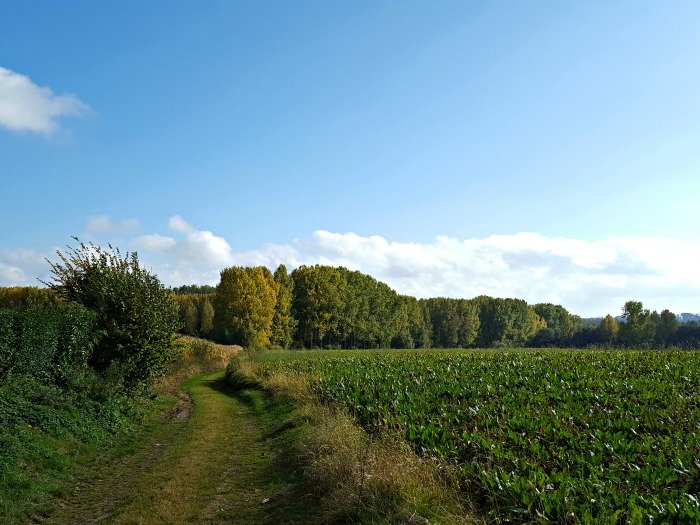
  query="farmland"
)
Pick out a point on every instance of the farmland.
point(566, 436)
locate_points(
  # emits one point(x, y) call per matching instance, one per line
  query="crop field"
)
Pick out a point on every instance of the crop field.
point(566, 436)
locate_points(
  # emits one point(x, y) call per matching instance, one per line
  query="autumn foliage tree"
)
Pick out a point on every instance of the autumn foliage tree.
point(608, 329)
point(244, 306)
point(283, 323)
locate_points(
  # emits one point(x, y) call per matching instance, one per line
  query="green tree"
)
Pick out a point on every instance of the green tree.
point(666, 327)
point(318, 303)
point(135, 312)
point(283, 323)
point(244, 306)
point(410, 328)
point(561, 325)
point(639, 327)
point(507, 322)
point(444, 322)
point(339, 308)
point(194, 289)
point(454, 322)
point(421, 324)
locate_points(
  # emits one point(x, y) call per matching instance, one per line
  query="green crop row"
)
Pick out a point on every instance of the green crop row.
point(562, 436)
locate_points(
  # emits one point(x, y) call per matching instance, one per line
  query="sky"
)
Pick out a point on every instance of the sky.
point(543, 150)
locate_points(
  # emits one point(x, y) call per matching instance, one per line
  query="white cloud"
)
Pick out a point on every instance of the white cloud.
point(587, 277)
point(178, 224)
point(201, 246)
point(154, 242)
point(104, 224)
point(24, 106)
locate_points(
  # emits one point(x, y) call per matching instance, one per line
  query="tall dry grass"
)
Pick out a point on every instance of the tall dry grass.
point(194, 357)
point(357, 477)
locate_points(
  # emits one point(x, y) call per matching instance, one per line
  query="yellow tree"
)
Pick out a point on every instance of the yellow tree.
point(608, 329)
point(244, 306)
point(283, 324)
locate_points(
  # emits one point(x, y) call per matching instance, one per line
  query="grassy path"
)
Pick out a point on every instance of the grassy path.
point(213, 462)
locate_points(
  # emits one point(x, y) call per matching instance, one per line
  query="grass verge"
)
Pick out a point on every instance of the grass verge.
point(354, 477)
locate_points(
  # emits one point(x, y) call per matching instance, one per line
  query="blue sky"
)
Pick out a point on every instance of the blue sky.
point(370, 134)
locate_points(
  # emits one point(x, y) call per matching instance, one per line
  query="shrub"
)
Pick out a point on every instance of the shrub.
point(134, 311)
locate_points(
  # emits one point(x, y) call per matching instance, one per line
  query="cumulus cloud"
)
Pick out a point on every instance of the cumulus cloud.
point(105, 224)
point(24, 106)
point(587, 277)
point(154, 242)
point(178, 224)
point(200, 245)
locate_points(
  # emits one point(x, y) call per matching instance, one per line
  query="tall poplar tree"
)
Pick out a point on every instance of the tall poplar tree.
point(318, 304)
point(206, 317)
point(561, 325)
point(189, 317)
point(507, 322)
point(283, 323)
point(244, 306)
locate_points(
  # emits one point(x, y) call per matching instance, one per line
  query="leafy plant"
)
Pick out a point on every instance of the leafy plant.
point(50, 344)
point(134, 311)
point(557, 436)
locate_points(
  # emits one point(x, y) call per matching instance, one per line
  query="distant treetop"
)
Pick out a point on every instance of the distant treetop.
point(191, 289)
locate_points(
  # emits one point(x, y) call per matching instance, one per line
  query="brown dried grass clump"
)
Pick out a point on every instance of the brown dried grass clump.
point(377, 479)
point(290, 386)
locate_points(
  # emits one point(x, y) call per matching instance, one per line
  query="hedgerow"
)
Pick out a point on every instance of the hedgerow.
point(49, 344)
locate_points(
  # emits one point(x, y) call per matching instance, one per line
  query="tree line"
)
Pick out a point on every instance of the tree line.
point(333, 307)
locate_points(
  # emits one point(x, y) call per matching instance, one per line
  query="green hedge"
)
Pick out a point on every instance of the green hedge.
point(52, 344)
